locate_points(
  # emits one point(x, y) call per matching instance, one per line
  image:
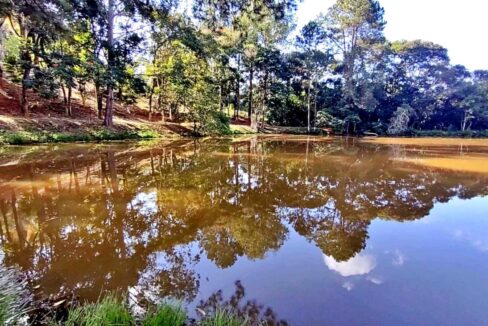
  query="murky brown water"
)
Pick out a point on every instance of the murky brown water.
point(321, 231)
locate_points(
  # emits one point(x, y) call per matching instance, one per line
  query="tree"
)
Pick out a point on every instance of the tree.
point(35, 23)
point(316, 60)
point(354, 31)
point(252, 24)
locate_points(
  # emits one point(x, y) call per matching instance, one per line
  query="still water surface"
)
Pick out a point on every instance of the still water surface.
point(304, 231)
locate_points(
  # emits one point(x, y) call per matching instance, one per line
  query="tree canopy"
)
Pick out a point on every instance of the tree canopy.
point(238, 60)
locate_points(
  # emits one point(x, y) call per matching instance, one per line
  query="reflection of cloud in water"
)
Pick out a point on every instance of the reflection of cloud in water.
point(375, 280)
point(348, 286)
point(360, 264)
point(479, 242)
point(398, 258)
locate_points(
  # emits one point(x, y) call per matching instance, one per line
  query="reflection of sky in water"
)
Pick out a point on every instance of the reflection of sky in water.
point(145, 202)
point(360, 264)
point(425, 272)
point(302, 239)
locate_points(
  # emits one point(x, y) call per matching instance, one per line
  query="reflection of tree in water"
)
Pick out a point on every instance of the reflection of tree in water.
point(141, 217)
point(255, 313)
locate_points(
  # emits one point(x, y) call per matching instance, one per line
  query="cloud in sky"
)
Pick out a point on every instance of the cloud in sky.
point(460, 26)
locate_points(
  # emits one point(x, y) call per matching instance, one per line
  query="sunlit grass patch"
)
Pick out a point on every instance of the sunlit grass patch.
point(108, 311)
point(223, 317)
point(165, 315)
point(26, 137)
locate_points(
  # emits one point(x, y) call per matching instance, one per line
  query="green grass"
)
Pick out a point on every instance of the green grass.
point(166, 315)
point(109, 311)
point(28, 137)
point(13, 301)
point(222, 317)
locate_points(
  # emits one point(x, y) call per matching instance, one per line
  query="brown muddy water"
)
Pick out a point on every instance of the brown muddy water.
point(308, 231)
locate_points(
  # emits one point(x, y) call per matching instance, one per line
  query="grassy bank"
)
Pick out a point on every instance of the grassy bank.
point(21, 130)
point(17, 308)
point(450, 134)
point(111, 311)
point(37, 137)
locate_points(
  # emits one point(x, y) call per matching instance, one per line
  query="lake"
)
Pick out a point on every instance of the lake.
point(296, 230)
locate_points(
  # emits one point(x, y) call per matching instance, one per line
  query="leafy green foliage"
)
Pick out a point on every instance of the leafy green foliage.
point(227, 58)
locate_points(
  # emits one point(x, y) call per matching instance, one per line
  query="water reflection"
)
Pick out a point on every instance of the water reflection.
point(250, 310)
point(360, 264)
point(91, 217)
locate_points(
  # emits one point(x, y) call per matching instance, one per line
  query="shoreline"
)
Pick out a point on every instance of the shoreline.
point(46, 130)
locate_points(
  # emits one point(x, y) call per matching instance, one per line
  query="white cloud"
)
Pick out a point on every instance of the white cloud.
point(360, 264)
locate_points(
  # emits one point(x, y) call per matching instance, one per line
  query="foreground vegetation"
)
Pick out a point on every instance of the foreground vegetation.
point(13, 298)
point(15, 309)
point(232, 58)
point(112, 311)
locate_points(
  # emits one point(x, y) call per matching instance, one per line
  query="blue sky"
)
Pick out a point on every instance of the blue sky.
point(460, 26)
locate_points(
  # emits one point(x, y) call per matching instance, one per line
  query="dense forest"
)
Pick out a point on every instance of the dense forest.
point(212, 61)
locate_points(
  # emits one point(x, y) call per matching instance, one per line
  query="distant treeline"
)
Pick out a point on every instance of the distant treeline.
point(230, 58)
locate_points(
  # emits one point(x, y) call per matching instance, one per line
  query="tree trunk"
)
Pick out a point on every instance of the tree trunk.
point(221, 104)
point(68, 107)
point(150, 106)
point(466, 120)
point(265, 98)
point(151, 93)
point(250, 110)
point(24, 104)
point(82, 91)
point(237, 99)
point(308, 109)
point(315, 109)
point(251, 76)
point(65, 99)
point(238, 89)
point(108, 121)
point(1, 76)
point(99, 100)
point(163, 118)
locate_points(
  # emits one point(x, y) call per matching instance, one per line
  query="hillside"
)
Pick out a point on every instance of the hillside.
point(48, 117)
